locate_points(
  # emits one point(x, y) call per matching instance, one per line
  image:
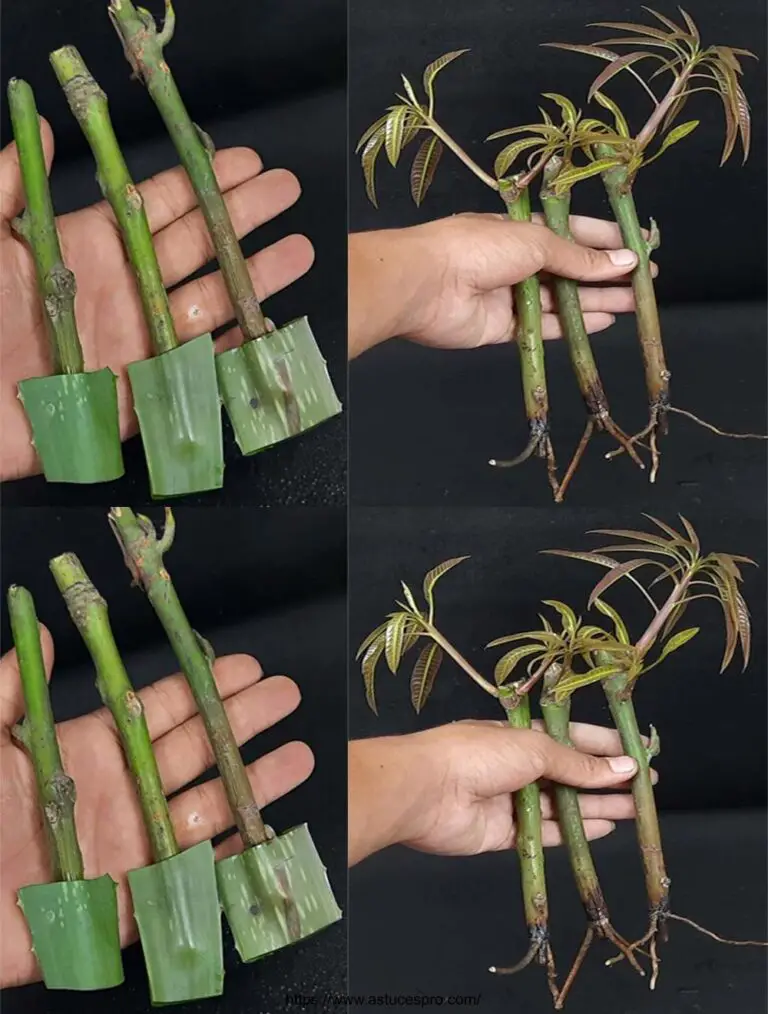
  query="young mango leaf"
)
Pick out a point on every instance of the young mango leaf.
point(622, 570)
point(625, 26)
point(368, 641)
point(588, 50)
point(675, 536)
point(745, 628)
point(676, 29)
point(568, 109)
point(393, 639)
point(424, 166)
point(677, 641)
point(409, 597)
point(368, 160)
point(634, 536)
point(744, 120)
point(691, 24)
point(394, 131)
point(607, 610)
point(424, 673)
point(676, 134)
point(409, 90)
point(509, 662)
point(374, 128)
point(434, 68)
point(566, 179)
point(615, 68)
point(586, 557)
point(607, 103)
point(507, 156)
point(546, 636)
point(370, 660)
point(547, 130)
point(433, 576)
point(574, 681)
point(570, 622)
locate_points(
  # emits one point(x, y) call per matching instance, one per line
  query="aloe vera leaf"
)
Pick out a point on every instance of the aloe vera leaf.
point(177, 404)
point(276, 387)
point(75, 935)
point(179, 918)
point(276, 894)
point(75, 428)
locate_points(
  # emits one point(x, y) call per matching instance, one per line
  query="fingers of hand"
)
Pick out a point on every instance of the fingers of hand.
point(11, 696)
point(204, 305)
point(169, 195)
point(596, 739)
point(600, 299)
point(551, 835)
point(186, 245)
point(571, 260)
point(204, 812)
point(169, 702)
point(594, 806)
point(594, 322)
point(185, 752)
point(569, 766)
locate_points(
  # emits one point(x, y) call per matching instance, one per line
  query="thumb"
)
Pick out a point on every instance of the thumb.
point(11, 696)
point(569, 766)
point(12, 200)
point(568, 259)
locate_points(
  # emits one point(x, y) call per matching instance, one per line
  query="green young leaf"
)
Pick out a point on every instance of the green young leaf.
point(409, 597)
point(368, 160)
point(621, 124)
point(575, 681)
point(570, 622)
point(507, 155)
point(393, 640)
point(546, 130)
point(434, 68)
point(368, 666)
point(566, 179)
point(508, 663)
point(393, 134)
point(368, 641)
point(569, 111)
point(434, 575)
point(677, 641)
point(374, 128)
point(409, 90)
point(546, 636)
point(607, 610)
point(424, 673)
point(677, 134)
point(424, 166)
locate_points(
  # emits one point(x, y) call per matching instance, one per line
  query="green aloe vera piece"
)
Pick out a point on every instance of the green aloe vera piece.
point(179, 411)
point(75, 425)
point(276, 894)
point(276, 387)
point(179, 918)
point(74, 931)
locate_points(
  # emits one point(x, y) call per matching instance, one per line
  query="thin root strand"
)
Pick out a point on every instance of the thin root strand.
point(715, 936)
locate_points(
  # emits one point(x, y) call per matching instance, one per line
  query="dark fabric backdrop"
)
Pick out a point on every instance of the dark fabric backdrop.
point(267, 583)
point(259, 75)
point(431, 926)
point(426, 422)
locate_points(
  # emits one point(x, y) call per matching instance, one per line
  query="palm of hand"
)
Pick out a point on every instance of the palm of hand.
point(108, 308)
point(108, 816)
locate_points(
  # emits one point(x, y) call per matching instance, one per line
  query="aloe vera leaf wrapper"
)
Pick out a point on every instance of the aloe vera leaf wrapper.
point(177, 404)
point(276, 387)
point(179, 918)
point(276, 894)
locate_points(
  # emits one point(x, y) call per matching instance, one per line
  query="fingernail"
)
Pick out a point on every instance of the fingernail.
point(622, 258)
point(622, 765)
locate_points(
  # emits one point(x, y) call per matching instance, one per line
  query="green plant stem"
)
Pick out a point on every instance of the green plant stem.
point(89, 614)
point(618, 186)
point(89, 106)
point(37, 225)
point(55, 788)
point(143, 47)
point(143, 553)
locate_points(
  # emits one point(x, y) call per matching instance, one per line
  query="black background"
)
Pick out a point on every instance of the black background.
point(425, 422)
point(432, 925)
point(267, 583)
point(269, 76)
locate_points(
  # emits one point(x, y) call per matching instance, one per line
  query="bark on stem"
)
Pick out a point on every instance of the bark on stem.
point(143, 46)
point(89, 106)
point(89, 614)
point(143, 552)
point(55, 281)
point(619, 189)
point(55, 788)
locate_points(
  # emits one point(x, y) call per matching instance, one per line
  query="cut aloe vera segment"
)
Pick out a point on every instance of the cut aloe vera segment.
point(179, 410)
point(276, 894)
point(75, 426)
point(276, 387)
point(179, 918)
point(75, 932)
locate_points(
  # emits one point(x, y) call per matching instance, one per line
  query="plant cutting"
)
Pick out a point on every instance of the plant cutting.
point(402, 631)
point(72, 413)
point(276, 891)
point(617, 662)
point(402, 124)
point(73, 921)
point(693, 69)
point(175, 899)
point(175, 392)
point(276, 384)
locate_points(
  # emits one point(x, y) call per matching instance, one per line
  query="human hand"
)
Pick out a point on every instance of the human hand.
point(451, 787)
point(107, 812)
point(448, 282)
point(108, 309)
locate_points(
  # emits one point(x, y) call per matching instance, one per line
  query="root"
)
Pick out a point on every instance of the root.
point(539, 444)
point(586, 943)
point(656, 424)
point(604, 422)
point(606, 931)
point(715, 936)
point(650, 938)
point(714, 429)
point(540, 951)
